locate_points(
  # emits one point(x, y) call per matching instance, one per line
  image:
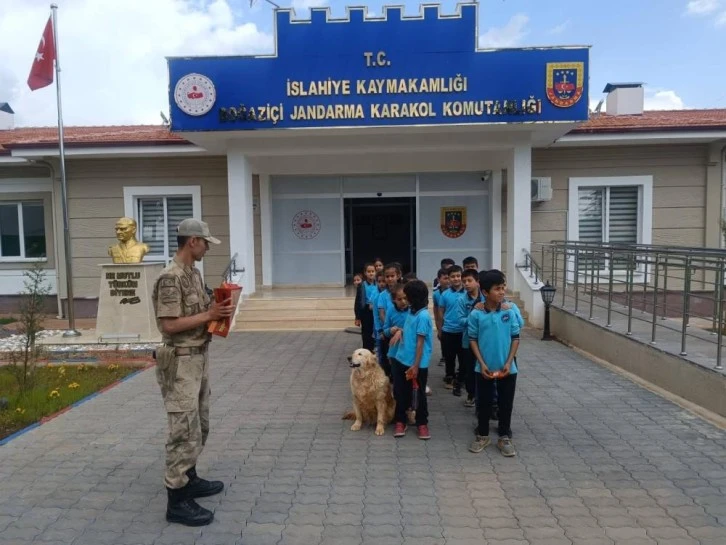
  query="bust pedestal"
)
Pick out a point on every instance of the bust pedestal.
point(125, 310)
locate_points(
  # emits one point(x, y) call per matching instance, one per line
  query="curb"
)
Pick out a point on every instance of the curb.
point(46, 419)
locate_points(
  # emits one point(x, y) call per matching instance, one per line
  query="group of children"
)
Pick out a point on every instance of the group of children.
point(475, 325)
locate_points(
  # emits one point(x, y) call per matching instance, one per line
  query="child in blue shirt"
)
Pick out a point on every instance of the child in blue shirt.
point(414, 353)
point(377, 322)
point(471, 300)
point(494, 337)
point(443, 285)
point(392, 278)
point(395, 320)
point(452, 330)
point(363, 306)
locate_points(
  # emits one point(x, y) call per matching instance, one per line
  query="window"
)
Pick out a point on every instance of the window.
point(158, 211)
point(608, 214)
point(157, 220)
point(22, 230)
point(616, 210)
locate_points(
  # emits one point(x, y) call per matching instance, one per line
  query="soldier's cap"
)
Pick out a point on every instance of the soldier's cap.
point(195, 228)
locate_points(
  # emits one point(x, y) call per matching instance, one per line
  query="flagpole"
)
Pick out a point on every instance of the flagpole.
point(71, 331)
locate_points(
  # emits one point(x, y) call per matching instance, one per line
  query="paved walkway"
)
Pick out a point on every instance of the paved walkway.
point(601, 461)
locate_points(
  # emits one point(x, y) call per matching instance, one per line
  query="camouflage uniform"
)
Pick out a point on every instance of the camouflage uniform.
point(182, 369)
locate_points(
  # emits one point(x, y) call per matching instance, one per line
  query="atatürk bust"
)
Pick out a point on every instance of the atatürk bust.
point(128, 250)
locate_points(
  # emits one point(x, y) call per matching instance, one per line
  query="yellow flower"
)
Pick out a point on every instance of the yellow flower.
point(112, 367)
point(82, 367)
point(19, 410)
point(73, 385)
point(54, 393)
point(61, 370)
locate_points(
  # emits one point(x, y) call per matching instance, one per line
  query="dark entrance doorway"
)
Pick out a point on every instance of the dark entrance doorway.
point(382, 228)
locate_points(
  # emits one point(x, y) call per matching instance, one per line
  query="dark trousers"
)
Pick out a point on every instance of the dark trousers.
point(469, 380)
point(366, 330)
point(452, 349)
point(402, 389)
point(505, 388)
point(384, 360)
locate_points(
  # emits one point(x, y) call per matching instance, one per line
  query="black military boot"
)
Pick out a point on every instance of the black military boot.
point(201, 488)
point(182, 508)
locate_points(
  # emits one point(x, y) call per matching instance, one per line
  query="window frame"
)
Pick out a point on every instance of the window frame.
point(132, 194)
point(21, 230)
point(645, 209)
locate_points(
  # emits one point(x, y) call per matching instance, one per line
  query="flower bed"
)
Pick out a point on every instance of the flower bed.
point(54, 388)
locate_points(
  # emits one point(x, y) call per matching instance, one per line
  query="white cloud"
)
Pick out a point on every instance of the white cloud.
point(702, 7)
point(559, 29)
point(112, 55)
point(721, 19)
point(510, 35)
point(301, 6)
point(663, 100)
point(655, 99)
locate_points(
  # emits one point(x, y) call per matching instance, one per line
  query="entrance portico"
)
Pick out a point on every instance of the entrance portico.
point(370, 110)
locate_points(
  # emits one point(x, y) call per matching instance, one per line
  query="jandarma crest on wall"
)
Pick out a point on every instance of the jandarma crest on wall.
point(195, 94)
point(565, 83)
point(306, 225)
point(453, 221)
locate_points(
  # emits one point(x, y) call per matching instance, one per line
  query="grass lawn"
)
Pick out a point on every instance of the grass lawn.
point(7, 320)
point(55, 387)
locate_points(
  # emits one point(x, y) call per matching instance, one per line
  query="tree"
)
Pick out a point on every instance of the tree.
point(32, 313)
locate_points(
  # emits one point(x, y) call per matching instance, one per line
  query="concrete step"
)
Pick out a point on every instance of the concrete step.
point(337, 303)
point(321, 324)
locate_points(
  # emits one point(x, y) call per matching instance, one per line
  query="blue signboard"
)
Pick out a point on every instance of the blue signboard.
point(391, 70)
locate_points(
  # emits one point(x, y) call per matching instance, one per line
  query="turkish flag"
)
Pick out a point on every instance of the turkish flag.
point(41, 73)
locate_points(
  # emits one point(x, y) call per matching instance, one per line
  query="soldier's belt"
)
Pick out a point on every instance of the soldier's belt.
point(190, 350)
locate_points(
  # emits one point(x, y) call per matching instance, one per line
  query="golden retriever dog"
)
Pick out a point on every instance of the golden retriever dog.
point(371, 390)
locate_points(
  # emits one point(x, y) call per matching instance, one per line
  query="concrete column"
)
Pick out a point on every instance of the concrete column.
point(266, 228)
point(519, 206)
point(241, 218)
point(495, 216)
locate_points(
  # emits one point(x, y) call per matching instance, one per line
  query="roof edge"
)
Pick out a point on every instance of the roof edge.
point(108, 144)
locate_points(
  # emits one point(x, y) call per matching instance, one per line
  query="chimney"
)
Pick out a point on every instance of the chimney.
point(624, 98)
point(7, 117)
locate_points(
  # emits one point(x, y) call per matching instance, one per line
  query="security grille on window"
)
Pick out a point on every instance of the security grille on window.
point(22, 230)
point(608, 214)
point(158, 219)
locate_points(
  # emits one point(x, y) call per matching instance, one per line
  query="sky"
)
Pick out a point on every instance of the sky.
point(113, 53)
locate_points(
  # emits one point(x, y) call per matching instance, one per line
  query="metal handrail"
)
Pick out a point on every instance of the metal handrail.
point(629, 279)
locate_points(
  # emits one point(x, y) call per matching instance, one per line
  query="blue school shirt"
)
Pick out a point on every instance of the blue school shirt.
point(377, 325)
point(394, 318)
point(437, 297)
point(384, 302)
point(494, 331)
point(416, 324)
point(454, 321)
point(371, 291)
point(468, 304)
point(516, 310)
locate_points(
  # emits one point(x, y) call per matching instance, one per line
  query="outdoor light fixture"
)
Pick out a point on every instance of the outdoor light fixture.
point(548, 295)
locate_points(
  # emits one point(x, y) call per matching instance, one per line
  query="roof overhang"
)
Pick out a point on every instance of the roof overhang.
point(106, 152)
point(358, 140)
point(633, 138)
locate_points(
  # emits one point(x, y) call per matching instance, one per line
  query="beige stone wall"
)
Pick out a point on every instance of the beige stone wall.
point(96, 201)
point(679, 188)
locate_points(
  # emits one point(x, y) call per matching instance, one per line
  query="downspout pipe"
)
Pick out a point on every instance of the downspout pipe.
point(51, 168)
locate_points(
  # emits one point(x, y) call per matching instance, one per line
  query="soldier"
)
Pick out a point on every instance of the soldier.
point(183, 309)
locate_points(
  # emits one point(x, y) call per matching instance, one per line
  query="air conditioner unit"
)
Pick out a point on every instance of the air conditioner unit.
point(541, 189)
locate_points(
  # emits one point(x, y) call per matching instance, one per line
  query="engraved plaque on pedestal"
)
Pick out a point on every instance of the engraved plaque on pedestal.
point(125, 309)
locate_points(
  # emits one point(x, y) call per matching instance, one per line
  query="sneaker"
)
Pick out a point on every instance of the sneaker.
point(495, 413)
point(428, 390)
point(442, 361)
point(506, 447)
point(457, 390)
point(480, 443)
point(423, 432)
point(448, 382)
point(399, 430)
point(469, 401)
